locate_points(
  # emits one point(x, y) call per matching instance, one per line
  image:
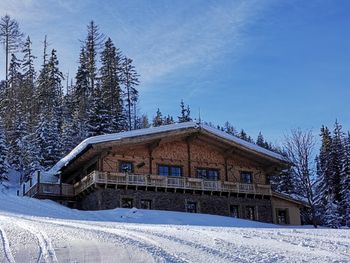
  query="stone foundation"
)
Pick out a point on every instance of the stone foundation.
point(101, 199)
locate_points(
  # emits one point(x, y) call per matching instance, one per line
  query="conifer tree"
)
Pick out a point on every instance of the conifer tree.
point(11, 38)
point(111, 97)
point(81, 96)
point(93, 44)
point(27, 90)
point(185, 113)
point(345, 176)
point(4, 167)
point(130, 81)
point(324, 174)
point(158, 119)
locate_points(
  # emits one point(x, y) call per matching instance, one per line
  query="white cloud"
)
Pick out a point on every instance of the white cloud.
point(201, 38)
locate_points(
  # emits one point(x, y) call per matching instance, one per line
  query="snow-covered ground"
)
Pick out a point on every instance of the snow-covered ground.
point(43, 231)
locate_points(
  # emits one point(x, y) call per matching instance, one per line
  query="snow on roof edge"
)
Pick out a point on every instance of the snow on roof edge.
point(114, 137)
point(153, 130)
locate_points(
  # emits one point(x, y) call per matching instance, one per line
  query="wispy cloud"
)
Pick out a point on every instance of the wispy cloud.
point(162, 37)
point(196, 39)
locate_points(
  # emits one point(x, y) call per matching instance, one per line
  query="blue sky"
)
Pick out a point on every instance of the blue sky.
point(262, 65)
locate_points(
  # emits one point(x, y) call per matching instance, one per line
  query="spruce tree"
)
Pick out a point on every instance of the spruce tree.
point(4, 167)
point(185, 113)
point(82, 98)
point(130, 80)
point(29, 74)
point(93, 44)
point(345, 182)
point(324, 174)
point(111, 97)
point(11, 38)
point(158, 119)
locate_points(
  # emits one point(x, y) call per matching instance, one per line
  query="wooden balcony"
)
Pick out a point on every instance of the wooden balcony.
point(46, 190)
point(167, 182)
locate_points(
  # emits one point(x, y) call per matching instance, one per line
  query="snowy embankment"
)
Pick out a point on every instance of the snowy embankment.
point(43, 231)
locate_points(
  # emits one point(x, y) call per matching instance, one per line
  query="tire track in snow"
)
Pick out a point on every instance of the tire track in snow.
point(6, 246)
point(47, 253)
point(206, 249)
point(151, 248)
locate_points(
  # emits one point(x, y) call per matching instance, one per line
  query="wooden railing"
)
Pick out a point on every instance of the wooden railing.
point(107, 178)
point(50, 189)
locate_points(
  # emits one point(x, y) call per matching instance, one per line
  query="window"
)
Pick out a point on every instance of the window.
point(250, 212)
point(145, 204)
point(169, 170)
point(191, 207)
point(126, 167)
point(282, 216)
point(175, 171)
point(208, 174)
point(127, 203)
point(246, 178)
point(234, 211)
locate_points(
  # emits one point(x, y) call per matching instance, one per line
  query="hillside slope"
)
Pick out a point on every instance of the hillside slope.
point(43, 231)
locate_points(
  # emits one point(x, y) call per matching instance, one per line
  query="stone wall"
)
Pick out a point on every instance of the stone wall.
point(207, 204)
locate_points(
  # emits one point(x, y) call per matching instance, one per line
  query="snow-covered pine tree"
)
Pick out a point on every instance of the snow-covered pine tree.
point(111, 97)
point(48, 129)
point(27, 90)
point(323, 190)
point(93, 44)
point(337, 156)
point(185, 112)
point(70, 132)
point(158, 119)
point(95, 124)
point(142, 122)
point(130, 81)
point(81, 96)
point(11, 38)
point(345, 182)
point(4, 167)
point(168, 120)
point(229, 128)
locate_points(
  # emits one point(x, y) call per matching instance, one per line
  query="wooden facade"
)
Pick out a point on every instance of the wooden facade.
point(173, 165)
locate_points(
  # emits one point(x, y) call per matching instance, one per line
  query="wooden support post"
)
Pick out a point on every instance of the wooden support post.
point(189, 158)
point(61, 190)
point(151, 147)
point(38, 182)
point(150, 160)
point(24, 189)
point(226, 170)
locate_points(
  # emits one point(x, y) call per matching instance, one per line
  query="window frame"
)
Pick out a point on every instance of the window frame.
point(146, 200)
point(207, 170)
point(253, 218)
point(120, 164)
point(195, 211)
point(170, 167)
point(246, 173)
point(231, 210)
point(286, 211)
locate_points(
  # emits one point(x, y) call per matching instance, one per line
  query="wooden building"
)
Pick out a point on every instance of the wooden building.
point(186, 167)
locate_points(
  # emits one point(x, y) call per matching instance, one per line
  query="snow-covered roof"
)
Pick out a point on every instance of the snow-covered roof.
point(154, 130)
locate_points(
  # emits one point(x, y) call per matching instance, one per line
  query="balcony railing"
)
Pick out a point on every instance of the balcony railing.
point(108, 178)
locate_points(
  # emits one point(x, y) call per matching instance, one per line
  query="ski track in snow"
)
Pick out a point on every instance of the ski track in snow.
point(121, 237)
point(47, 253)
point(48, 232)
point(6, 246)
